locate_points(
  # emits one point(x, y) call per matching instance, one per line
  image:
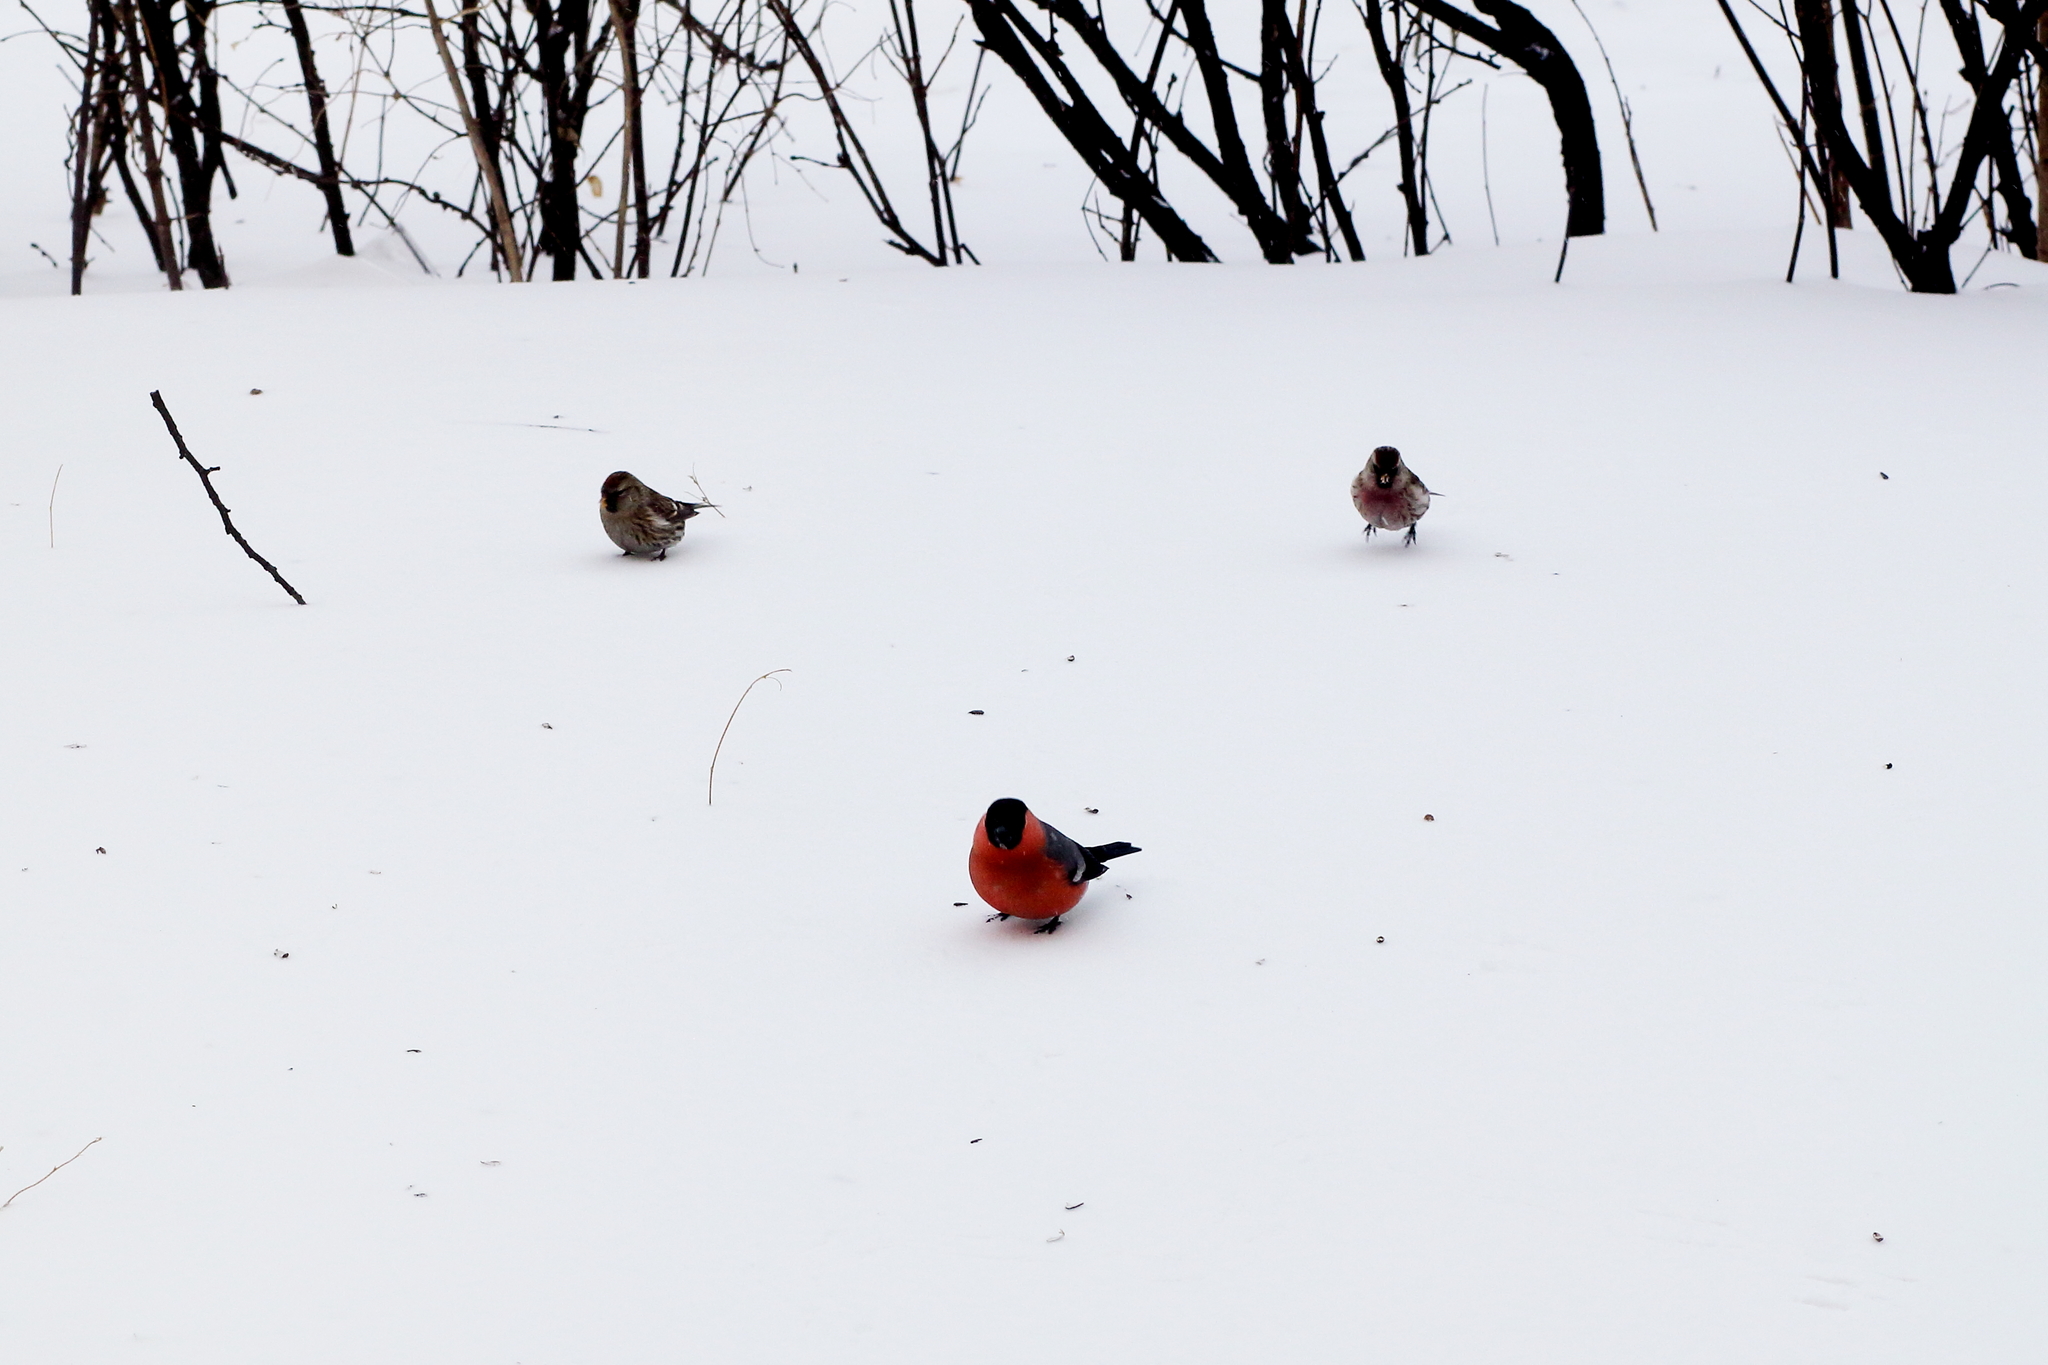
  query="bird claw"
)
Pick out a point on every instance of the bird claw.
point(1368, 530)
point(1049, 926)
point(1409, 539)
point(996, 916)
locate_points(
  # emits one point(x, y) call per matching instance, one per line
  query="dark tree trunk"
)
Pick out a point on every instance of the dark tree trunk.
point(1239, 180)
point(561, 49)
point(487, 113)
point(1283, 158)
point(1005, 32)
point(1312, 116)
point(1866, 94)
point(182, 117)
point(1922, 256)
point(626, 14)
point(1525, 41)
point(2005, 162)
point(98, 117)
point(1229, 168)
point(323, 141)
point(158, 217)
point(1822, 65)
point(1404, 128)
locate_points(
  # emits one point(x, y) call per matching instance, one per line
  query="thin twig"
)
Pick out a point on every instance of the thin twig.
point(1486, 165)
point(53, 1170)
point(1628, 122)
point(712, 775)
point(53, 507)
point(509, 243)
point(706, 496)
point(205, 478)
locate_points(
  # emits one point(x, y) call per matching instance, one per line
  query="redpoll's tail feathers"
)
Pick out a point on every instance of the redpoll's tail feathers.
point(1100, 854)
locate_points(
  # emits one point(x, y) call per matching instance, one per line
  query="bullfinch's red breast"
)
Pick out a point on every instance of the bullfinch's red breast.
point(1026, 868)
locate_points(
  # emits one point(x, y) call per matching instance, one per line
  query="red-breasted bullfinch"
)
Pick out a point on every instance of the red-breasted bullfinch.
point(1388, 495)
point(1026, 868)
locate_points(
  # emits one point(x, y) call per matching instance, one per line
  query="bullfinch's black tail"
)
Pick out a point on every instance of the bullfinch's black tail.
point(1099, 856)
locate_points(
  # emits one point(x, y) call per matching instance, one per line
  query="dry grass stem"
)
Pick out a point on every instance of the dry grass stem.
point(52, 1171)
point(702, 494)
point(712, 776)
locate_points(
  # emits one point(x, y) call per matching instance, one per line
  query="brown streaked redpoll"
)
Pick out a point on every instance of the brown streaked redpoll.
point(639, 520)
point(1388, 495)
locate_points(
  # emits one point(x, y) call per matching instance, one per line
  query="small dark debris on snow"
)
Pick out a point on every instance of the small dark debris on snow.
point(958, 904)
point(412, 1049)
point(101, 850)
point(1381, 939)
point(1430, 818)
point(254, 392)
point(977, 713)
point(1092, 810)
point(1072, 1207)
point(972, 1141)
point(1887, 765)
point(1877, 1237)
point(490, 1163)
point(1070, 658)
point(1882, 475)
point(74, 746)
point(545, 726)
point(279, 953)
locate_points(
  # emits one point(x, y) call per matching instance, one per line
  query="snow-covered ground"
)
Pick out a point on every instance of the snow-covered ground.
point(1720, 956)
point(1578, 938)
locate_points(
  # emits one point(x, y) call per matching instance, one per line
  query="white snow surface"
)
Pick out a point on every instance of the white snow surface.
point(1720, 958)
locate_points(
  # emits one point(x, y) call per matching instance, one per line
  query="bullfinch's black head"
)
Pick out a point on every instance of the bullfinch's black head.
point(1005, 822)
point(616, 487)
point(1384, 465)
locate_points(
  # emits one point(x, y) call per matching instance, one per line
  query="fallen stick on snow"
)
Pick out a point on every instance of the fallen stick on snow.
point(52, 1171)
point(205, 478)
point(712, 776)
